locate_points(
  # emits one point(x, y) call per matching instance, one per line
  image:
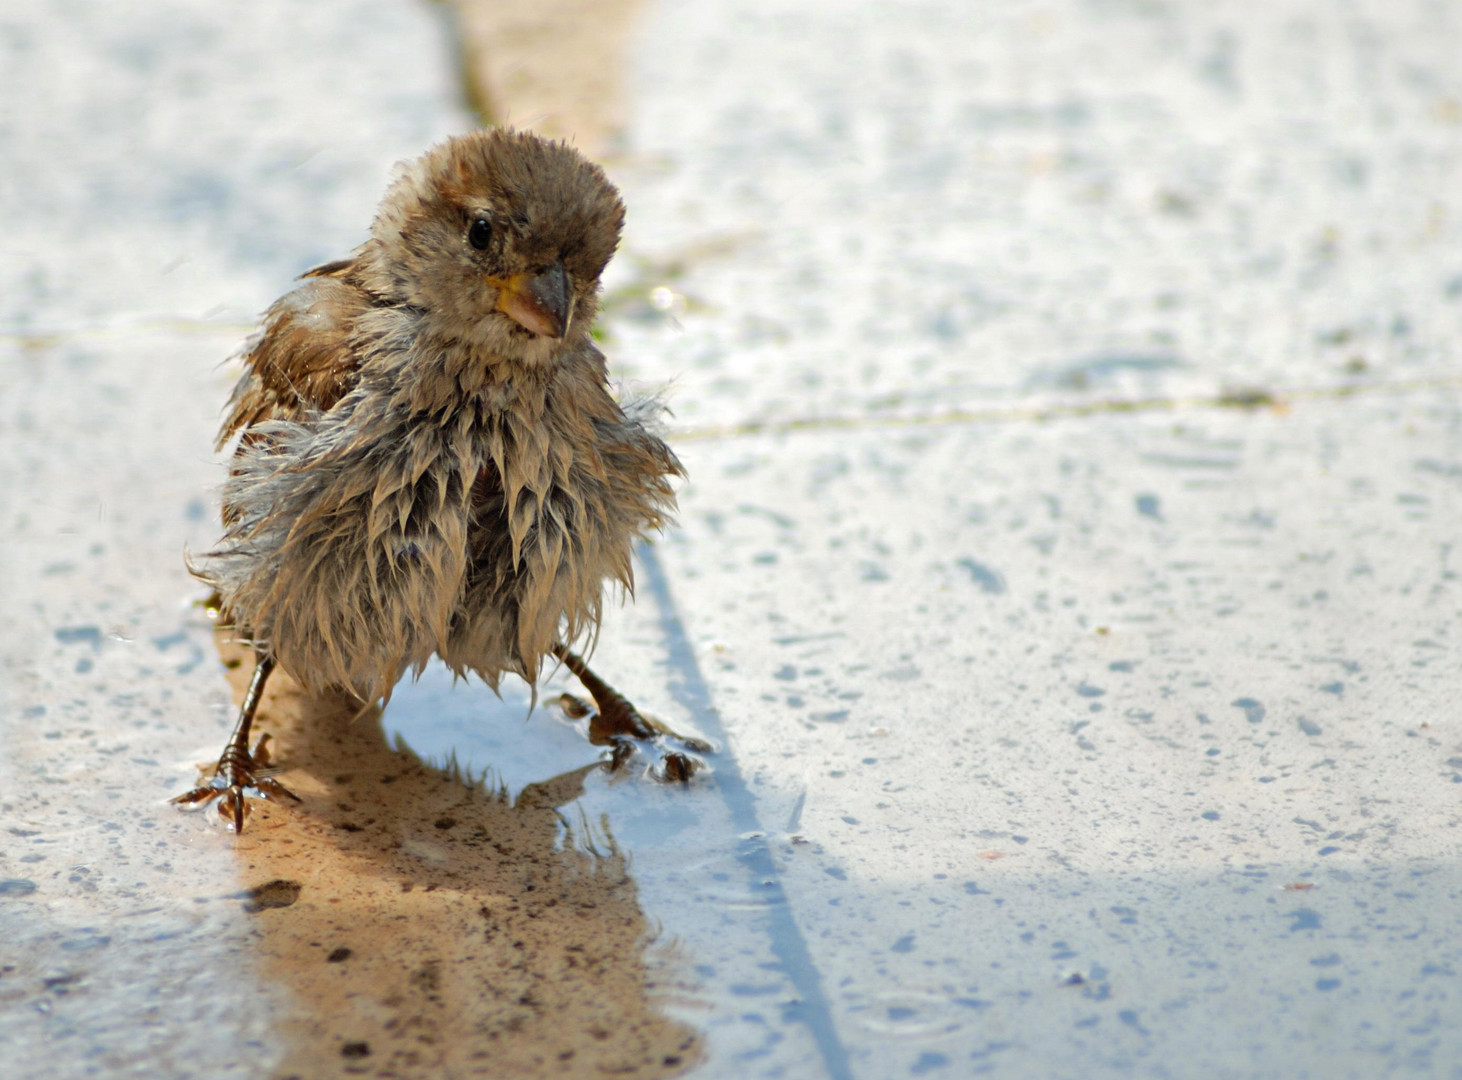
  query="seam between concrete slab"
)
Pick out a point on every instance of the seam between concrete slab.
point(1241, 400)
point(689, 689)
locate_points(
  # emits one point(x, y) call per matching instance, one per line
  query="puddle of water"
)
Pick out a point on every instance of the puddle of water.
point(906, 1015)
point(504, 739)
point(426, 922)
point(729, 959)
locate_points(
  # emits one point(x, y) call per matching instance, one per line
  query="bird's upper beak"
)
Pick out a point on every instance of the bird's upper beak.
point(537, 302)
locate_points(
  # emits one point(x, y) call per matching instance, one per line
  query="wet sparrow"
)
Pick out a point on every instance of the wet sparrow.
point(430, 461)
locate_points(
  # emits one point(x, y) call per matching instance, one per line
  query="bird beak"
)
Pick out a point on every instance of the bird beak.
point(539, 303)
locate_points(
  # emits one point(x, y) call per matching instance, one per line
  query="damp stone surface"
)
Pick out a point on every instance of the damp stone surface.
point(1066, 572)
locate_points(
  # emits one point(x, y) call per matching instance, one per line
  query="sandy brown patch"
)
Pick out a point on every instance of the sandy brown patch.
point(427, 927)
point(555, 66)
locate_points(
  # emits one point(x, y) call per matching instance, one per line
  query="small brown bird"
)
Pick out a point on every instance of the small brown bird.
point(430, 461)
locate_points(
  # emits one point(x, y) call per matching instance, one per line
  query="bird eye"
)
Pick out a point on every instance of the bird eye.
point(479, 234)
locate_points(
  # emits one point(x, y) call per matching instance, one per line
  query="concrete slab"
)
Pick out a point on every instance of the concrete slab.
point(1104, 745)
point(1071, 400)
point(1071, 403)
point(930, 207)
point(171, 162)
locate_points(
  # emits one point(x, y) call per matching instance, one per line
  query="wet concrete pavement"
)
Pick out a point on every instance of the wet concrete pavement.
point(1070, 396)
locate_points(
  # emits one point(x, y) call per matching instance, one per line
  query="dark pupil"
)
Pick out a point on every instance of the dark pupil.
point(479, 234)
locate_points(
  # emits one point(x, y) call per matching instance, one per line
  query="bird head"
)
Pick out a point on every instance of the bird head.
point(500, 238)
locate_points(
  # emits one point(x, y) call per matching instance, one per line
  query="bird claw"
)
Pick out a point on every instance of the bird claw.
point(620, 726)
point(677, 768)
point(238, 771)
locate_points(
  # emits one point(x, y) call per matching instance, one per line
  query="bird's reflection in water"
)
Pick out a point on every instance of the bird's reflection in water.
point(429, 926)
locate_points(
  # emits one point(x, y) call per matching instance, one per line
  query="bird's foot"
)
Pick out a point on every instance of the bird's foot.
point(615, 723)
point(238, 771)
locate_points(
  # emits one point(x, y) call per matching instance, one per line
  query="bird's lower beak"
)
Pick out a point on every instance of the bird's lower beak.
point(539, 303)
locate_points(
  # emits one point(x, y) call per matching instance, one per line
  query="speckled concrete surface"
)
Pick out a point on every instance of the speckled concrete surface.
point(1070, 395)
point(1074, 416)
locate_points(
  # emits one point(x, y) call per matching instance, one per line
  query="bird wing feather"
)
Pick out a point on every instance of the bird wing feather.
point(303, 358)
point(346, 530)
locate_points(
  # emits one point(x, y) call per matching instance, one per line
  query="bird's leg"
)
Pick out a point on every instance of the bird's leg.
point(239, 768)
point(615, 721)
point(616, 716)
